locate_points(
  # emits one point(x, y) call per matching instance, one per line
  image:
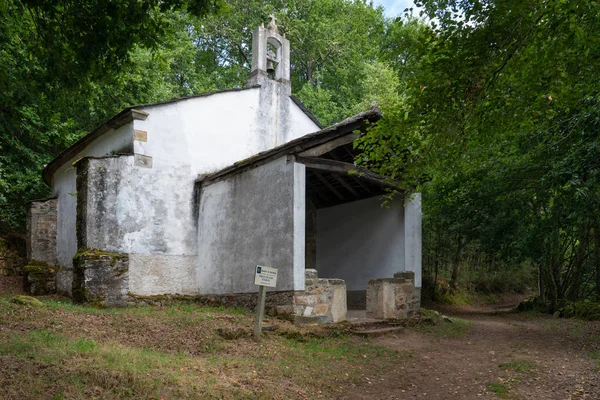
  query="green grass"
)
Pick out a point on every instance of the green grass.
point(499, 389)
point(455, 329)
point(595, 355)
point(76, 364)
point(519, 365)
point(326, 350)
point(519, 346)
point(75, 351)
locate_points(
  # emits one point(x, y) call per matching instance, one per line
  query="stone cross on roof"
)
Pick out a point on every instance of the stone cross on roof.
point(272, 25)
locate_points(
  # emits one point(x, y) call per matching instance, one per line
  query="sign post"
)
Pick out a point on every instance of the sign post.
point(263, 277)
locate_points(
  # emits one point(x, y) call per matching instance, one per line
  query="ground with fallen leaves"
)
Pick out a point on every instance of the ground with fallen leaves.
point(62, 351)
point(502, 355)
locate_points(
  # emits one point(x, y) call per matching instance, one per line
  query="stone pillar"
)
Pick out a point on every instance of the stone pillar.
point(412, 236)
point(100, 278)
point(393, 298)
point(310, 249)
point(41, 232)
point(40, 272)
point(322, 301)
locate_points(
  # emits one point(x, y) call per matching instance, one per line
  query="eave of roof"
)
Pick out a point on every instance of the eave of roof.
point(127, 115)
point(357, 122)
point(122, 118)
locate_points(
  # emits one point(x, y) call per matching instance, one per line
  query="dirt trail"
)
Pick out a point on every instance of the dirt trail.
point(550, 360)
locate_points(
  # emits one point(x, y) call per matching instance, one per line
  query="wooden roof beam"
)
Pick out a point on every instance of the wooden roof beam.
point(342, 168)
point(328, 185)
point(345, 184)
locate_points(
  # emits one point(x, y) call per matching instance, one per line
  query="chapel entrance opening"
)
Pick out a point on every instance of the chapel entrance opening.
point(350, 234)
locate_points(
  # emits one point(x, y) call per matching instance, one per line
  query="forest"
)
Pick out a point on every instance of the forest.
point(491, 110)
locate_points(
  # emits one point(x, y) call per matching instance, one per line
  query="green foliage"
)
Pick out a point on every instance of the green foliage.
point(500, 133)
point(586, 310)
point(65, 67)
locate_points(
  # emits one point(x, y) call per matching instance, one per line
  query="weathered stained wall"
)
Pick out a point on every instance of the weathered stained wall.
point(360, 241)
point(41, 231)
point(131, 209)
point(64, 188)
point(146, 204)
point(255, 217)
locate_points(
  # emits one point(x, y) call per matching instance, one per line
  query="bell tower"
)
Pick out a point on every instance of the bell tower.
point(270, 57)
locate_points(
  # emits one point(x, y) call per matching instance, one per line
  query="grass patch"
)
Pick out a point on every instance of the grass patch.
point(595, 355)
point(457, 328)
point(519, 365)
point(72, 351)
point(74, 366)
point(519, 346)
point(499, 389)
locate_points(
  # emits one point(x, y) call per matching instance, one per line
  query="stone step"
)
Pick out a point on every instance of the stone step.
point(375, 331)
point(371, 323)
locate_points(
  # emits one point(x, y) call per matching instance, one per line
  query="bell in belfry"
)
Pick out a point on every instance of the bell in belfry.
point(271, 61)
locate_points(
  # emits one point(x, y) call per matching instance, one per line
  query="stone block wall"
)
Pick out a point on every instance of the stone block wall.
point(323, 300)
point(41, 231)
point(100, 278)
point(12, 255)
point(40, 279)
point(393, 298)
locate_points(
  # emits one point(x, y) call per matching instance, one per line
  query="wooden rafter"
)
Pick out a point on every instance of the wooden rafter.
point(344, 184)
point(342, 168)
point(328, 185)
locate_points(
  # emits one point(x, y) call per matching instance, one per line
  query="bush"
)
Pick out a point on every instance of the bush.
point(587, 310)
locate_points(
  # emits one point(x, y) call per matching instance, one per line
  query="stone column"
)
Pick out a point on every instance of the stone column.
point(412, 236)
point(41, 231)
point(100, 277)
point(40, 272)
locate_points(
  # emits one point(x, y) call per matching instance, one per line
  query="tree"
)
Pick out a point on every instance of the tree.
point(65, 66)
point(502, 121)
point(55, 56)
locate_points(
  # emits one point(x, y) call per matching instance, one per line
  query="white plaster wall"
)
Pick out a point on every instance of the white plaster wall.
point(64, 188)
point(198, 136)
point(253, 218)
point(300, 124)
point(413, 234)
point(152, 209)
point(213, 132)
point(124, 214)
point(155, 274)
point(360, 241)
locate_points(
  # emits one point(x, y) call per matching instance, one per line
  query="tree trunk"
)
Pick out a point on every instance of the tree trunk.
point(541, 289)
point(455, 266)
point(597, 256)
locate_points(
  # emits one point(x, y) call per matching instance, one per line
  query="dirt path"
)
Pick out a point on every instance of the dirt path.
point(503, 355)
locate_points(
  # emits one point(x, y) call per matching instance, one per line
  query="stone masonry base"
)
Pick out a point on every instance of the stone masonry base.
point(323, 300)
point(393, 298)
point(100, 278)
